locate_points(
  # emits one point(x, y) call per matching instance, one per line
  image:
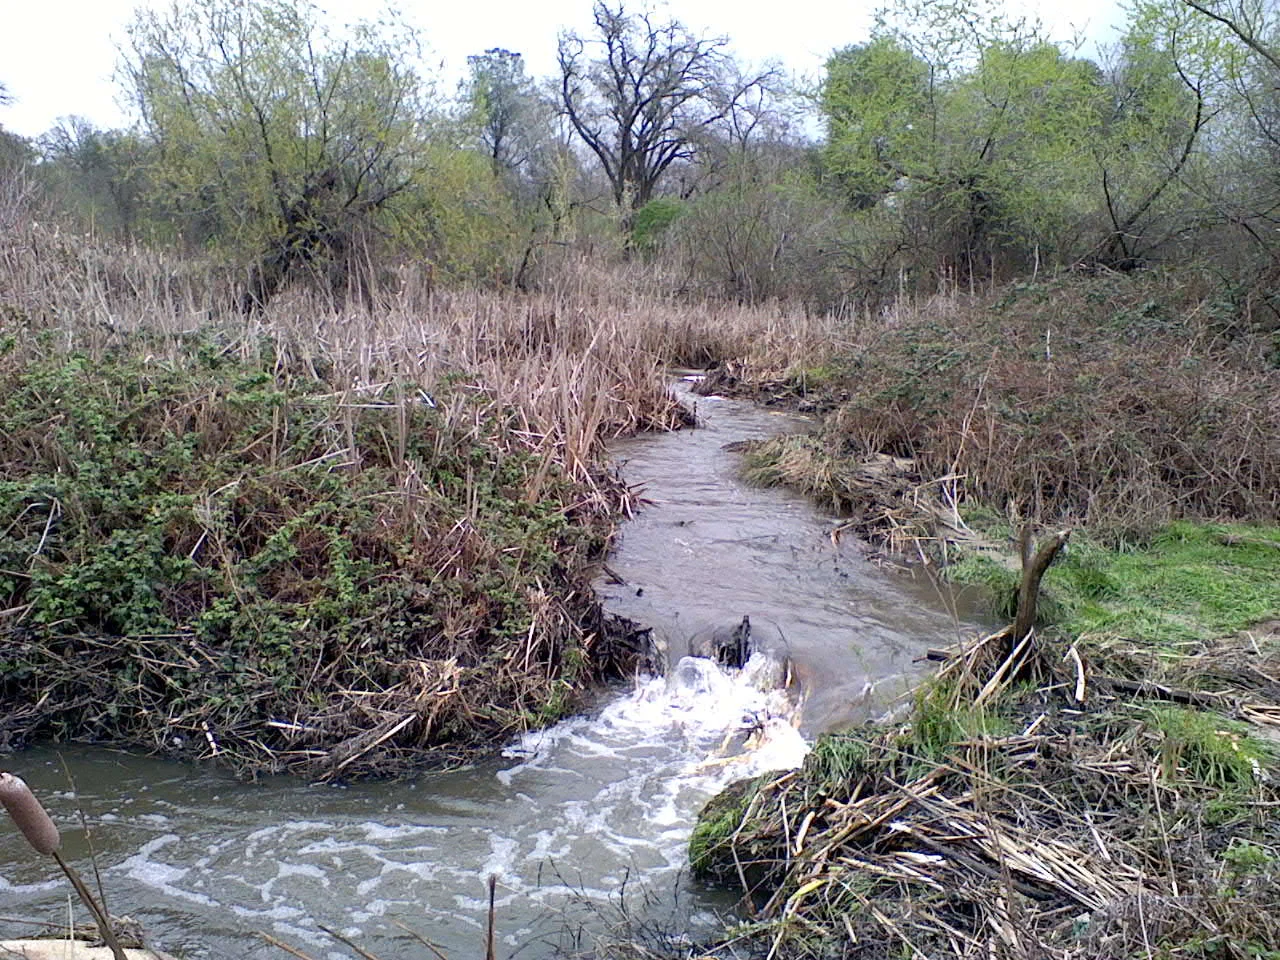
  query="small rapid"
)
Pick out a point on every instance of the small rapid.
point(568, 815)
point(568, 818)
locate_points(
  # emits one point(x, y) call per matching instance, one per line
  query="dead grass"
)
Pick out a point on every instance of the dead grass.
point(1024, 811)
point(1119, 403)
point(353, 539)
point(360, 535)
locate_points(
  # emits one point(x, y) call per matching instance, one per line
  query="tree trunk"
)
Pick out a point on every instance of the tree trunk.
point(1033, 569)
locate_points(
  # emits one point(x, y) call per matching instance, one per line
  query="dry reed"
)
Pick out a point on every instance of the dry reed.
point(432, 396)
point(1119, 403)
point(1015, 819)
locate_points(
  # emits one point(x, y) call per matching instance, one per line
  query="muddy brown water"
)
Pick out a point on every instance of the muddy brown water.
point(579, 822)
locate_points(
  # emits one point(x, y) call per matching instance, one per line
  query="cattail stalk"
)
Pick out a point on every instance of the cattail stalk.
point(29, 816)
point(490, 953)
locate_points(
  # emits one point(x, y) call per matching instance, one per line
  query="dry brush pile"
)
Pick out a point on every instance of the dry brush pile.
point(1031, 808)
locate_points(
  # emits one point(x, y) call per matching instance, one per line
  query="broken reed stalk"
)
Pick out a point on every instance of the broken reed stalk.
point(1033, 570)
point(490, 953)
point(360, 951)
point(31, 819)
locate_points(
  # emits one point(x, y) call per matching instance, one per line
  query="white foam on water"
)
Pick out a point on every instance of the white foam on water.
point(585, 806)
point(144, 868)
point(690, 734)
point(279, 911)
point(380, 832)
point(29, 888)
point(502, 859)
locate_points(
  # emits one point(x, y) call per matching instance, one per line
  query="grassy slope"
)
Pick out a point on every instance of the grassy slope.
point(1186, 583)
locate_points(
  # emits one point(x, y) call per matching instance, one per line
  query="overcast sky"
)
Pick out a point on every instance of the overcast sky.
point(57, 56)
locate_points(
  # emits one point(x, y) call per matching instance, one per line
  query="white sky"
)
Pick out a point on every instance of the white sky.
point(57, 56)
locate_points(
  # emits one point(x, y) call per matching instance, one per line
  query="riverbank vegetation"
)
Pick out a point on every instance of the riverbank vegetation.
point(1058, 805)
point(1117, 404)
point(1102, 787)
point(311, 542)
point(307, 375)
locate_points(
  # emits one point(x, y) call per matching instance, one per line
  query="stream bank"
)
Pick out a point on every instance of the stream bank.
point(1115, 404)
point(1059, 801)
point(1105, 788)
point(582, 820)
point(219, 557)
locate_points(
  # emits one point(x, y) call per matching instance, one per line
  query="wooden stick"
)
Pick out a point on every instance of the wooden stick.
point(287, 948)
point(341, 939)
point(1158, 691)
point(1032, 573)
point(421, 939)
point(1074, 656)
point(490, 953)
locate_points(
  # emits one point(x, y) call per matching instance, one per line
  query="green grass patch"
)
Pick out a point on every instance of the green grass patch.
point(837, 761)
point(938, 723)
point(714, 831)
point(1209, 748)
point(1190, 582)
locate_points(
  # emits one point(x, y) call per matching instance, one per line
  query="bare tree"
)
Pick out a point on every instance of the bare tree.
point(639, 93)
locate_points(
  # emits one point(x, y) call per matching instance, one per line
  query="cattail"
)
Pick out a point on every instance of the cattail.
point(28, 815)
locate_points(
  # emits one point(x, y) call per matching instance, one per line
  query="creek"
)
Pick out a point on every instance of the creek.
point(581, 823)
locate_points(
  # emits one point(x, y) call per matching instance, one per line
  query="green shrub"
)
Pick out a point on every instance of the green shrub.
point(652, 220)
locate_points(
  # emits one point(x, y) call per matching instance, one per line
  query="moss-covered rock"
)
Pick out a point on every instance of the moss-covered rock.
point(711, 855)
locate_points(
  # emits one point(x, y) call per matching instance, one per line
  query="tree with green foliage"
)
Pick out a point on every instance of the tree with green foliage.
point(878, 106)
point(509, 114)
point(979, 154)
point(275, 137)
point(1247, 145)
point(996, 151)
point(16, 152)
point(98, 175)
point(1153, 147)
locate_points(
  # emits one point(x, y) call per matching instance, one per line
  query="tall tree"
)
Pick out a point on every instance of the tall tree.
point(878, 106)
point(639, 92)
point(96, 174)
point(274, 135)
point(980, 155)
point(510, 116)
point(1163, 101)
